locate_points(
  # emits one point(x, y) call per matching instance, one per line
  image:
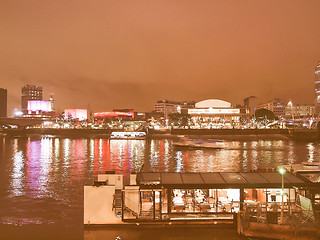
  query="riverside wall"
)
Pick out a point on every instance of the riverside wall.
point(174, 133)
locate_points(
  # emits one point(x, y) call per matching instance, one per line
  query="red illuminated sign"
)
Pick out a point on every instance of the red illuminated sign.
point(113, 114)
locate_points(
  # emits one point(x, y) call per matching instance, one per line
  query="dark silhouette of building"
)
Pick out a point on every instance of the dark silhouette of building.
point(3, 102)
point(30, 92)
point(251, 103)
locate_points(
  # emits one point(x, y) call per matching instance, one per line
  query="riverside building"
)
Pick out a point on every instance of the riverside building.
point(167, 107)
point(30, 92)
point(299, 111)
point(276, 105)
point(215, 113)
point(251, 103)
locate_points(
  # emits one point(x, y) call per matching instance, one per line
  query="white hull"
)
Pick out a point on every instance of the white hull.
point(198, 144)
point(128, 135)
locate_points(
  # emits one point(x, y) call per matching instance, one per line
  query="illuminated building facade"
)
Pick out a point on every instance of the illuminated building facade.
point(214, 113)
point(299, 111)
point(30, 92)
point(79, 114)
point(3, 102)
point(277, 106)
point(317, 88)
point(38, 108)
point(168, 107)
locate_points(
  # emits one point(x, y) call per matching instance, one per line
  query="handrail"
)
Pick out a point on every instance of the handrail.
point(128, 208)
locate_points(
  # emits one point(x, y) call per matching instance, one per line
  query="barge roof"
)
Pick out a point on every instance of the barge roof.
point(220, 180)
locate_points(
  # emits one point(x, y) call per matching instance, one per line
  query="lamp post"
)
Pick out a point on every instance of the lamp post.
point(282, 172)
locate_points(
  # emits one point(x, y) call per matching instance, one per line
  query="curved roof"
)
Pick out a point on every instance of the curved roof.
point(213, 103)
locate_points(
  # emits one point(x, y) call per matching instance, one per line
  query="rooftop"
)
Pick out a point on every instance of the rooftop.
point(220, 180)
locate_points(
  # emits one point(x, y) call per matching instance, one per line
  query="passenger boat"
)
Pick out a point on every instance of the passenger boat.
point(199, 143)
point(128, 135)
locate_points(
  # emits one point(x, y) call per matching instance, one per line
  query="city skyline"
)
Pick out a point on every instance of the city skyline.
point(187, 103)
point(128, 55)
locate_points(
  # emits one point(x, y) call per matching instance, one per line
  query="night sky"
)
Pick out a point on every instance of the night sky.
point(129, 53)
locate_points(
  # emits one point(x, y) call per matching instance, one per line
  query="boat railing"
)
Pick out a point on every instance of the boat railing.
point(271, 214)
point(129, 205)
point(263, 221)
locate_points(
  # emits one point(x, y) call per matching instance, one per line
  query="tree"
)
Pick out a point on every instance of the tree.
point(264, 114)
point(179, 119)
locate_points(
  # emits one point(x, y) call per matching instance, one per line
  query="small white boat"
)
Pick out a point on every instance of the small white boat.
point(128, 135)
point(199, 143)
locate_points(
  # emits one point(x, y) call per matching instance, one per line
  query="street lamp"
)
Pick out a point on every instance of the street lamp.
point(282, 172)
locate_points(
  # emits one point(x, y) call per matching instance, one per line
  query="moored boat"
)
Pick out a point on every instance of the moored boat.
point(199, 143)
point(128, 135)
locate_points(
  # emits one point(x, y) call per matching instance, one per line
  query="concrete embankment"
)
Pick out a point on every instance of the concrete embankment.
point(58, 132)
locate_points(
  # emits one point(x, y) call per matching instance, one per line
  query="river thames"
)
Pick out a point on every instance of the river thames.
point(42, 179)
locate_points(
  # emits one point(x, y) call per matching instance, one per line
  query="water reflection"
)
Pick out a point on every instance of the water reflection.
point(37, 163)
point(17, 186)
point(54, 170)
point(311, 150)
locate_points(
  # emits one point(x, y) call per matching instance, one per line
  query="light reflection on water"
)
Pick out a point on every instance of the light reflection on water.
point(54, 170)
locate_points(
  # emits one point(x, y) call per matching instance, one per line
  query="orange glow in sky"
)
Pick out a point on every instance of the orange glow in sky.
point(128, 54)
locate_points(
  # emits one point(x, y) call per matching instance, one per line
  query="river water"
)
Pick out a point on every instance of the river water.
point(42, 179)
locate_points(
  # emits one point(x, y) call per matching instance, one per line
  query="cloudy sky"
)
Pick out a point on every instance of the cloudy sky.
point(127, 54)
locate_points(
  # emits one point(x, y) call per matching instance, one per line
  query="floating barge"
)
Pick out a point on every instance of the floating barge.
point(189, 198)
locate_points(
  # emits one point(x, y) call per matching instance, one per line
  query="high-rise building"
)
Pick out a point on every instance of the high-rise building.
point(3, 102)
point(30, 92)
point(317, 88)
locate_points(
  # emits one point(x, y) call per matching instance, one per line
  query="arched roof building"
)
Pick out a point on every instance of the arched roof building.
point(215, 113)
point(213, 103)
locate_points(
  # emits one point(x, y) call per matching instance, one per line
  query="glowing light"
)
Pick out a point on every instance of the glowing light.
point(282, 170)
point(34, 105)
point(213, 111)
point(18, 113)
